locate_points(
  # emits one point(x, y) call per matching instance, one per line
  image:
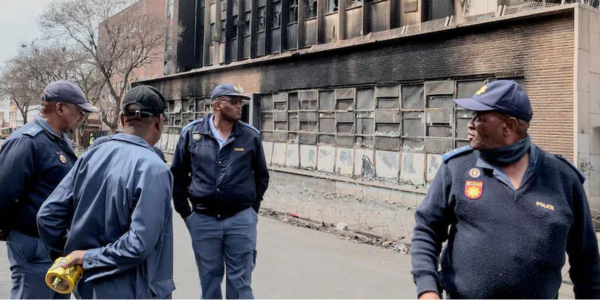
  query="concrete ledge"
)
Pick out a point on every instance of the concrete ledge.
point(383, 185)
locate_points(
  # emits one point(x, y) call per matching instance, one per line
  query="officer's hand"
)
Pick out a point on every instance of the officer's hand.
point(76, 259)
point(429, 295)
point(3, 235)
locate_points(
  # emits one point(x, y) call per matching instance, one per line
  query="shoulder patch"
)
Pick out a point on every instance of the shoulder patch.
point(456, 153)
point(579, 173)
point(249, 126)
point(33, 131)
point(190, 125)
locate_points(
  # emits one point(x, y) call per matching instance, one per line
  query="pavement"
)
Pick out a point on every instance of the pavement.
point(294, 262)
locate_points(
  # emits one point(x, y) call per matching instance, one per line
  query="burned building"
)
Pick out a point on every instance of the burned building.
point(358, 90)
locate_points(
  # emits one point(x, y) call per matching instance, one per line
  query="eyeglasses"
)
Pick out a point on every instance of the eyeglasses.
point(234, 101)
point(80, 110)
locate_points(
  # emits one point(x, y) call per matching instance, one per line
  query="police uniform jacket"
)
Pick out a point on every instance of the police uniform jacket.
point(505, 242)
point(218, 181)
point(33, 161)
point(115, 204)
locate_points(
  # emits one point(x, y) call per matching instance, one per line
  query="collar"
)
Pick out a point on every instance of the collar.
point(533, 157)
point(132, 139)
point(213, 129)
point(205, 126)
point(46, 126)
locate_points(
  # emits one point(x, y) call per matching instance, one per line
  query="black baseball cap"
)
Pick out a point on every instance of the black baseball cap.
point(227, 89)
point(150, 101)
point(67, 92)
point(505, 96)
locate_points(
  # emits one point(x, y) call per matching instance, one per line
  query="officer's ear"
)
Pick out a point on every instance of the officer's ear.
point(216, 104)
point(60, 108)
point(511, 125)
point(122, 119)
point(159, 123)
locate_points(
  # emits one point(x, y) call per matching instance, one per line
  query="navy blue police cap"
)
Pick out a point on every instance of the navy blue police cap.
point(505, 96)
point(67, 92)
point(227, 89)
point(149, 100)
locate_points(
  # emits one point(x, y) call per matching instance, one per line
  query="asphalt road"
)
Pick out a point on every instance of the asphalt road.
point(294, 262)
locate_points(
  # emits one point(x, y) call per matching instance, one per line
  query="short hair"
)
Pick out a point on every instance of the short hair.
point(522, 125)
point(47, 107)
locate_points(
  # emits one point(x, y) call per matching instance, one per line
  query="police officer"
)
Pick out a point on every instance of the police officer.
point(219, 166)
point(112, 212)
point(91, 139)
point(508, 210)
point(34, 159)
point(106, 138)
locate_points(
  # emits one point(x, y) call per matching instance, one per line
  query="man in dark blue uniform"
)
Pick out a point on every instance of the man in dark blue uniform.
point(219, 166)
point(112, 213)
point(33, 161)
point(508, 209)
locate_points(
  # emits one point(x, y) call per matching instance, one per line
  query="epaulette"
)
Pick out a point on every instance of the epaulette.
point(579, 173)
point(456, 152)
point(188, 126)
point(33, 131)
point(249, 126)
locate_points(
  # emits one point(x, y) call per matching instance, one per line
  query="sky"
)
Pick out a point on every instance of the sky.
point(18, 24)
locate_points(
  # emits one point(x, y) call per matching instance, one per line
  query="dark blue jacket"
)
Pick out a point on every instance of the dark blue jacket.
point(33, 161)
point(218, 182)
point(505, 243)
point(115, 203)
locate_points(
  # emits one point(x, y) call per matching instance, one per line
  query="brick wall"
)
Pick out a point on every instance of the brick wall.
point(540, 48)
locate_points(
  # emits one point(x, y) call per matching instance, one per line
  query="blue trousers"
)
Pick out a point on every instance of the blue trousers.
point(29, 263)
point(220, 245)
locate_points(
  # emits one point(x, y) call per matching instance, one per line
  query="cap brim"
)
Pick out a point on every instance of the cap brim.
point(473, 105)
point(87, 107)
point(237, 95)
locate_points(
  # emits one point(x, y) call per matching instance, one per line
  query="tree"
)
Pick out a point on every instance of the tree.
point(25, 76)
point(22, 90)
point(118, 41)
point(91, 84)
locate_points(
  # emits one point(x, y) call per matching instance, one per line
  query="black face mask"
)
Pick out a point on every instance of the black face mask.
point(509, 154)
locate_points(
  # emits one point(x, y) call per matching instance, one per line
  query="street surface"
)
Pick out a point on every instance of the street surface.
point(294, 262)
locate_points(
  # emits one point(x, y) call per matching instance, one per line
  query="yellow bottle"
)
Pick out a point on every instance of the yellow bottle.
point(63, 280)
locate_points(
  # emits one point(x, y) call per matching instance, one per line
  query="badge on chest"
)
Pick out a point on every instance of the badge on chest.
point(61, 157)
point(473, 189)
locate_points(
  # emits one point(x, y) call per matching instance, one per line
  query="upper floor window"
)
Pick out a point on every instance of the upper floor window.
point(170, 7)
point(261, 25)
point(354, 3)
point(311, 8)
point(246, 28)
point(276, 19)
point(332, 5)
point(293, 17)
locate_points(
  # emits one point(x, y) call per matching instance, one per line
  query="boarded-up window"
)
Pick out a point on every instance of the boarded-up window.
point(412, 97)
point(365, 99)
point(326, 100)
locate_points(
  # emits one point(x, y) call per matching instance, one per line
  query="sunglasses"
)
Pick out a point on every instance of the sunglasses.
point(234, 101)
